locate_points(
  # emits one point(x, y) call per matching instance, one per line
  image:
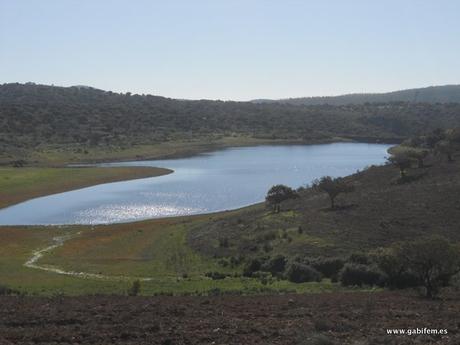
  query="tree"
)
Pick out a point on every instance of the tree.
point(333, 187)
point(433, 260)
point(395, 269)
point(279, 193)
point(453, 135)
point(434, 137)
point(402, 161)
point(418, 154)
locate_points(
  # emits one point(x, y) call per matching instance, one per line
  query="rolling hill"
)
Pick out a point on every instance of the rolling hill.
point(77, 123)
point(432, 94)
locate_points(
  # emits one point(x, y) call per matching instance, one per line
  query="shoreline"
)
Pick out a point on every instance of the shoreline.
point(199, 148)
point(43, 181)
point(139, 172)
point(55, 157)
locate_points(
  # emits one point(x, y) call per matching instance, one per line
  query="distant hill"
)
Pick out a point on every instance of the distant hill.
point(80, 118)
point(432, 94)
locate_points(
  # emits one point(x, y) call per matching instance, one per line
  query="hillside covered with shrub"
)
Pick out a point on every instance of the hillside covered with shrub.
point(377, 229)
point(34, 117)
point(432, 94)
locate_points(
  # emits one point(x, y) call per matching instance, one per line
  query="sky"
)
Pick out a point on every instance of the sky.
point(234, 49)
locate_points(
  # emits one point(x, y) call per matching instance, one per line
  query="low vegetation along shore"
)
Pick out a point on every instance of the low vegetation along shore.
point(20, 184)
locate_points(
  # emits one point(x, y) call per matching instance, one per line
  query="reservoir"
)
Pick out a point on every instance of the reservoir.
point(216, 181)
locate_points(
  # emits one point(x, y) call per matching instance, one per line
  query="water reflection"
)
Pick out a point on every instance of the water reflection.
point(220, 180)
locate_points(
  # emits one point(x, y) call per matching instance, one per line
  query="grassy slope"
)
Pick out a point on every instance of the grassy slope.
point(155, 248)
point(19, 184)
point(377, 213)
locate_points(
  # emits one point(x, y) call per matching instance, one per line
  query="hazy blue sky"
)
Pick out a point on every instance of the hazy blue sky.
point(234, 49)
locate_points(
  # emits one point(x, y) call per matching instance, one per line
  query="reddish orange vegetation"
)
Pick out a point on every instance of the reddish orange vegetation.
point(19, 241)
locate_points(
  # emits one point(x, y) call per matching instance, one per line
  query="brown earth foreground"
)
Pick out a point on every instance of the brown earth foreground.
point(338, 318)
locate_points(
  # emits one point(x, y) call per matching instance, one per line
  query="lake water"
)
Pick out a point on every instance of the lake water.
point(216, 181)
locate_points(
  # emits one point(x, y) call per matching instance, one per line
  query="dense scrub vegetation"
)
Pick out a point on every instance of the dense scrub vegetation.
point(392, 226)
point(432, 94)
point(81, 118)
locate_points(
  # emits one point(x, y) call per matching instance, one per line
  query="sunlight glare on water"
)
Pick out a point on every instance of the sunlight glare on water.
point(216, 181)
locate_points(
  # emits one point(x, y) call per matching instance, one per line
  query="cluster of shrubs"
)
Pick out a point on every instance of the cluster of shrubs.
point(5, 290)
point(357, 270)
point(402, 265)
point(296, 271)
point(216, 275)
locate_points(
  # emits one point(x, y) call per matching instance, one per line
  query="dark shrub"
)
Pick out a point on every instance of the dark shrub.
point(275, 265)
point(359, 258)
point(329, 267)
point(235, 261)
point(215, 275)
point(357, 274)
point(223, 242)
point(267, 247)
point(4, 290)
point(270, 235)
point(252, 266)
point(215, 292)
point(300, 273)
point(135, 288)
point(404, 280)
point(223, 262)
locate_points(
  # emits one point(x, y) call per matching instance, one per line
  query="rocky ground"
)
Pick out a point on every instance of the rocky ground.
point(336, 318)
